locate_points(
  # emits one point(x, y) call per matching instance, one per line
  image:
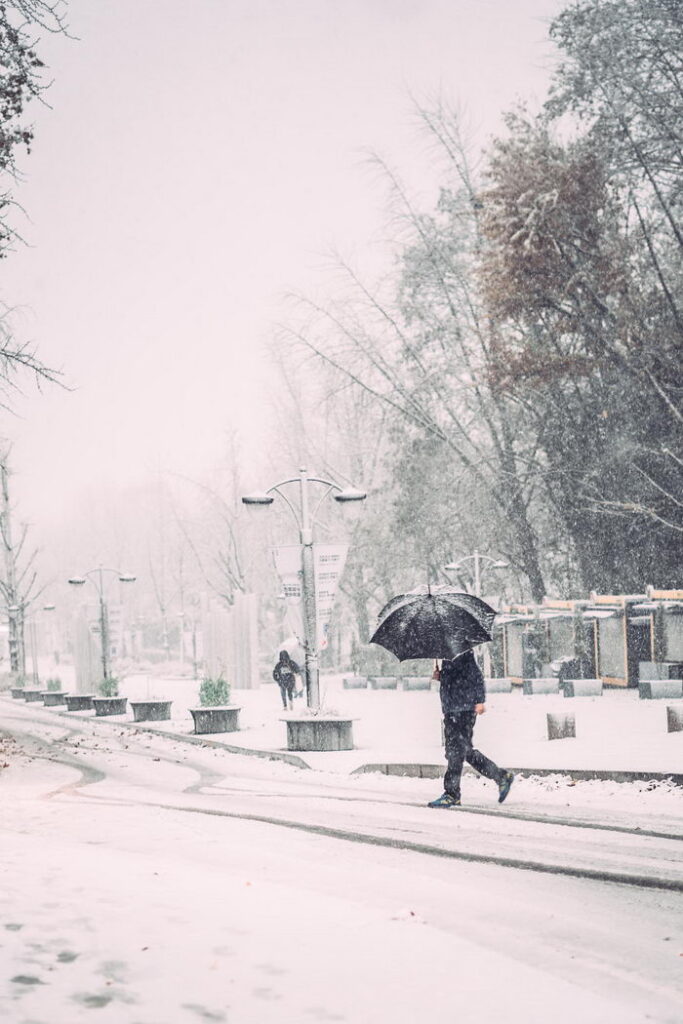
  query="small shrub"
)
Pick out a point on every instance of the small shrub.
point(54, 685)
point(10, 680)
point(214, 692)
point(109, 687)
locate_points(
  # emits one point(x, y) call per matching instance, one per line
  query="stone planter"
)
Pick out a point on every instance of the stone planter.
point(225, 718)
point(151, 710)
point(79, 702)
point(383, 682)
point(317, 732)
point(52, 698)
point(106, 706)
point(17, 692)
point(33, 696)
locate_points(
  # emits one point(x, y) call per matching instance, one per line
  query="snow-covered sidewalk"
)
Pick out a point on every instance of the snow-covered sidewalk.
point(617, 732)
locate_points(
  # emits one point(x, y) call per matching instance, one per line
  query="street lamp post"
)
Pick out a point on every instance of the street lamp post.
point(96, 577)
point(304, 520)
point(477, 558)
point(491, 563)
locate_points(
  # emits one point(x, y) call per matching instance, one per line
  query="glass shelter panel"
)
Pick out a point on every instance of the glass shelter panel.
point(612, 648)
point(514, 649)
point(561, 638)
point(673, 631)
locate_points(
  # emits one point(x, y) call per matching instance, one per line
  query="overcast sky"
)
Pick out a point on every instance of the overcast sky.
point(197, 160)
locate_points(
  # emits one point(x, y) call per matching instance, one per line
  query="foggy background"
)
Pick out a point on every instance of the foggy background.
point(196, 163)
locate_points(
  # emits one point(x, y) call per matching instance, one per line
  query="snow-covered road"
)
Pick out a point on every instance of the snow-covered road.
point(123, 898)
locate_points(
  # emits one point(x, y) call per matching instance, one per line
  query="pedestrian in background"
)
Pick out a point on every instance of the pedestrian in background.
point(285, 672)
point(463, 697)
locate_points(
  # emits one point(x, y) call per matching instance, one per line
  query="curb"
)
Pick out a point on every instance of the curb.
point(200, 741)
point(435, 771)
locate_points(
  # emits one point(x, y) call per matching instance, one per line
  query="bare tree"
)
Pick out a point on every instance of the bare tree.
point(18, 584)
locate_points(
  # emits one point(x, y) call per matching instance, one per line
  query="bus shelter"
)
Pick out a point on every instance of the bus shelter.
point(534, 638)
point(664, 609)
point(623, 637)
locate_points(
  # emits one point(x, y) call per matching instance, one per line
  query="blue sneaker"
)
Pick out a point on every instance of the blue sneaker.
point(504, 786)
point(445, 800)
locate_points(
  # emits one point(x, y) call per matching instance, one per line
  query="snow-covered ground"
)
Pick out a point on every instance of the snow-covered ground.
point(615, 732)
point(120, 905)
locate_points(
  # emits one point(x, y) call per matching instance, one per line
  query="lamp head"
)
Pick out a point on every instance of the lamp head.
point(350, 494)
point(257, 498)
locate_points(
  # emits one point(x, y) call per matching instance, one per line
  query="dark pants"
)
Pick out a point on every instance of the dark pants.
point(287, 693)
point(458, 729)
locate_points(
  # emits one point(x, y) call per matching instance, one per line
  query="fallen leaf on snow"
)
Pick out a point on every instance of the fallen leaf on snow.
point(407, 915)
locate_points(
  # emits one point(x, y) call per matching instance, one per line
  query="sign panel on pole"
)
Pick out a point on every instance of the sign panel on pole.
point(328, 564)
point(288, 567)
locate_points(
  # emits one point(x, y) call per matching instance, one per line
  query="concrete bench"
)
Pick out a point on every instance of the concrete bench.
point(535, 686)
point(417, 683)
point(355, 683)
point(674, 719)
point(498, 685)
point(659, 670)
point(582, 687)
point(561, 726)
point(656, 689)
point(383, 682)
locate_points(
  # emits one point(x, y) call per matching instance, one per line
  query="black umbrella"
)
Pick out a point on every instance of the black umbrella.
point(433, 622)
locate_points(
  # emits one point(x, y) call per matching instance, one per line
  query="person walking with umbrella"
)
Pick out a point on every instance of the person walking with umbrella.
point(463, 697)
point(441, 622)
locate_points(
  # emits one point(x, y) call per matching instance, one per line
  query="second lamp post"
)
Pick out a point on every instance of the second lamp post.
point(98, 583)
point(476, 559)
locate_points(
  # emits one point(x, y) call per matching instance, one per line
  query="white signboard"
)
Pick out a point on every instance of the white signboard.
point(288, 567)
point(328, 565)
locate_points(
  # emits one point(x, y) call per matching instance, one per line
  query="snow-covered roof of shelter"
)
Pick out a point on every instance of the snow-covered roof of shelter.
point(652, 606)
point(601, 613)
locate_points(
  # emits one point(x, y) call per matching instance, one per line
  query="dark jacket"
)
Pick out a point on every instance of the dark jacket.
point(284, 676)
point(462, 684)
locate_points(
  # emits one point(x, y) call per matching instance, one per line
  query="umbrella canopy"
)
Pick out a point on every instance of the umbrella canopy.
point(294, 649)
point(433, 622)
